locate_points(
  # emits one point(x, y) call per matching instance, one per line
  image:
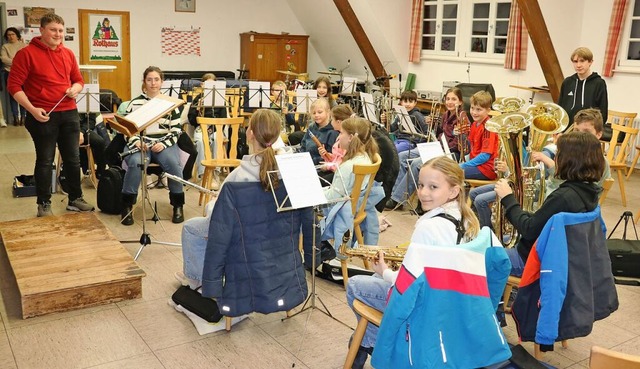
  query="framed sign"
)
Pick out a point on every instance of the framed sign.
point(188, 6)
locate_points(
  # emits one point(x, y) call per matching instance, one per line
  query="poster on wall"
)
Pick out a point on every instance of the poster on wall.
point(29, 33)
point(104, 41)
point(180, 41)
point(32, 15)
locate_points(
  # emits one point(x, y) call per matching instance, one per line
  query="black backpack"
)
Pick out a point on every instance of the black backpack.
point(110, 190)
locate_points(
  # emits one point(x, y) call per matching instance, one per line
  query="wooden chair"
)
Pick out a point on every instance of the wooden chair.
point(221, 160)
point(233, 102)
point(618, 161)
point(634, 162)
point(602, 358)
point(621, 118)
point(359, 212)
point(367, 315)
point(606, 186)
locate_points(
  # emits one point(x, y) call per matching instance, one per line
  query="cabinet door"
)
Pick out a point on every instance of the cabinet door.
point(293, 54)
point(266, 60)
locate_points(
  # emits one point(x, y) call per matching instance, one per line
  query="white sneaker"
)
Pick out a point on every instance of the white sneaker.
point(3, 123)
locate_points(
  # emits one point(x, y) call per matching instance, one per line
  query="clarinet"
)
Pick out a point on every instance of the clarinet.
point(149, 142)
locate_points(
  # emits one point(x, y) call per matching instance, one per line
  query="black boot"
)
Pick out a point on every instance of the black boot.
point(177, 201)
point(16, 120)
point(126, 216)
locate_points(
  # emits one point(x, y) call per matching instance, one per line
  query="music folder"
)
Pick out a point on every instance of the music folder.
point(146, 115)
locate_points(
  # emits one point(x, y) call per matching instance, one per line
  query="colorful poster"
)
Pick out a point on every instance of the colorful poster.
point(180, 41)
point(104, 41)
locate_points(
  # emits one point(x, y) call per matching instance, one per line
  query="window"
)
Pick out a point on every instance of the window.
point(446, 31)
point(630, 44)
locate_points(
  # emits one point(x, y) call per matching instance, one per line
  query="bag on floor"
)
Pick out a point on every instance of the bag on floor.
point(332, 271)
point(109, 191)
point(193, 301)
point(624, 253)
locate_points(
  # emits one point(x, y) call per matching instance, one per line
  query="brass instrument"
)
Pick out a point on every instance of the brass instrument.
point(508, 104)
point(393, 256)
point(547, 119)
point(509, 128)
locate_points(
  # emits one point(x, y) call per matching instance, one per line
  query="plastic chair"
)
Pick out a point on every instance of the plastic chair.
point(221, 160)
point(618, 161)
point(602, 358)
point(367, 315)
point(359, 213)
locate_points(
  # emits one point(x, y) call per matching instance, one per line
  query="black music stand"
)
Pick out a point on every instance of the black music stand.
point(135, 124)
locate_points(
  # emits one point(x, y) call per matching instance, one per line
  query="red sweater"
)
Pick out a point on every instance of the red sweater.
point(44, 75)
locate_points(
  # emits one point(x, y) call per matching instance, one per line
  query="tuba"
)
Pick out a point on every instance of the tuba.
point(547, 119)
point(510, 128)
point(508, 104)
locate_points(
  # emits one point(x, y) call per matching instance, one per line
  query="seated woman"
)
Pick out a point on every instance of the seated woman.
point(580, 163)
point(263, 132)
point(163, 150)
point(448, 221)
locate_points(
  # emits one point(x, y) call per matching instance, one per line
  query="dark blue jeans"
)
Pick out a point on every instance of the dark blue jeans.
point(63, 130)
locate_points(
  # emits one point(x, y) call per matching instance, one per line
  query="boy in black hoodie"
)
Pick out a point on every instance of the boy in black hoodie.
point(584, 89)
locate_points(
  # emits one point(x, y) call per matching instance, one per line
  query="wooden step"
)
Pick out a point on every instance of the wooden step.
point(68, 262)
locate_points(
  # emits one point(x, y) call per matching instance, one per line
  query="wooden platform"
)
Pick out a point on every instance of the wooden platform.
point(68, 262)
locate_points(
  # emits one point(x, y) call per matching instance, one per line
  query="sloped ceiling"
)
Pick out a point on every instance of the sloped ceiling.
point(385, 22)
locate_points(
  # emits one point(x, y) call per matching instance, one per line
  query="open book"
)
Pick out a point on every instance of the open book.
point(146, 115)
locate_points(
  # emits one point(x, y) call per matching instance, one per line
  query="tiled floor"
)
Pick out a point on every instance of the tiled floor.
point(148, 333)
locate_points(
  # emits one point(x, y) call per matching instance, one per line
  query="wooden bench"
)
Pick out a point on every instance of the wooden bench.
point(68, 262)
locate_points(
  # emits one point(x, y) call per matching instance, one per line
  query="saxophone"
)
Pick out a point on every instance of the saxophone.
point(392, 255)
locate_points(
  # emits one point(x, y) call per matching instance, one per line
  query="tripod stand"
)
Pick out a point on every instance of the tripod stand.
point(145, 237)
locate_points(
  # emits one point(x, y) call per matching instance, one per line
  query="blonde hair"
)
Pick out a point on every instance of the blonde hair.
point(321, 103)
point(279, 83)
point(208, 76)
point(582, 52)
point(265, 125)
point(482, 99)
point(455, 177)
point(362, 141)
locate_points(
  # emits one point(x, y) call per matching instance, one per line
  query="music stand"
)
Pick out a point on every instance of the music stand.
point(135, 124)
point(171, 87)
point(369, 108)
point(91, 95)
point(304, 190)
point(259, 96)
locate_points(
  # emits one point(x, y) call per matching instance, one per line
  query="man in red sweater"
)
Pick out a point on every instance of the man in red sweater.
point(45, 79)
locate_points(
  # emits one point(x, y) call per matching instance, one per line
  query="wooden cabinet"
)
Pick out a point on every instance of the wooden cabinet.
point(261, 54)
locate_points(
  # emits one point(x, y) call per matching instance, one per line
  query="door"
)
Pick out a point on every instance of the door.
point(104, 40)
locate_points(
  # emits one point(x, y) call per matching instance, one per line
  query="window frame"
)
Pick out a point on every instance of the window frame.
point(464, 30)
point(626, 39)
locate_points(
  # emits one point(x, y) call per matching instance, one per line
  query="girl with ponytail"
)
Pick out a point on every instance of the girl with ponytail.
point(262, 135)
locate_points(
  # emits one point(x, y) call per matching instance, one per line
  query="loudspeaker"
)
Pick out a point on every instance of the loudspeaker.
point(468, 89)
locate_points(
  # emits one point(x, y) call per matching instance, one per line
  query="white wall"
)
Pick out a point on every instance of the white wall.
point(571, 23)
point(221, 23)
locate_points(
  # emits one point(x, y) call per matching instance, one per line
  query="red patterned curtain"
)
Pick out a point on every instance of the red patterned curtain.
point(517, 40)
point(415, 42)
point(613, 40)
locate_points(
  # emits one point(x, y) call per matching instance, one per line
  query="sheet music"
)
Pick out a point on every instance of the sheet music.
point(429, 150)
point(304, 99)
point(259, 94)
point(90, 93)
point(215, 93)
point(348, 85)
point(405, 119)
point(445, 144)
point(149, 111)
point(369, 107)
point(300, 179)
point(171, 87)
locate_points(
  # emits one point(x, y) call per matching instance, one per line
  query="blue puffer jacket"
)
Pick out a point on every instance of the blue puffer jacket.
point(252, 262)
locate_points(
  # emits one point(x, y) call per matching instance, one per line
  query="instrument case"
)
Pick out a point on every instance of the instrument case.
point(624, 253)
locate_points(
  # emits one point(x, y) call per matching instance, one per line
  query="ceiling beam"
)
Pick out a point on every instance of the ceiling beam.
point(361, 38)
point(543, 45)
